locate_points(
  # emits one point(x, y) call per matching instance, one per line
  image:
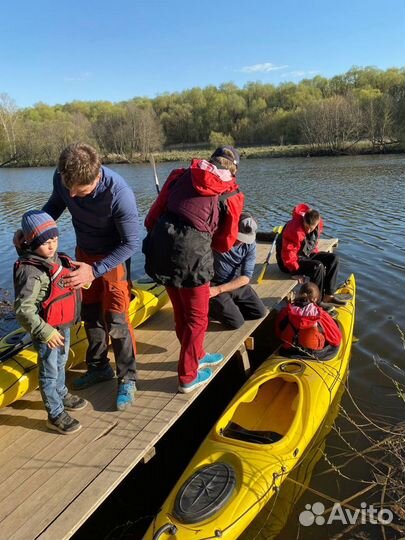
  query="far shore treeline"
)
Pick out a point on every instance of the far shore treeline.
point(362, 110)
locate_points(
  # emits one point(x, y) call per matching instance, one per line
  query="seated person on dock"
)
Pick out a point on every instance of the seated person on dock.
point(46, 308)
point(306, 329)
point(297, 252)
point(232, 299)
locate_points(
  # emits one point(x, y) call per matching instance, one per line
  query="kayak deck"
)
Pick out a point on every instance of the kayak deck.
point(76, 473)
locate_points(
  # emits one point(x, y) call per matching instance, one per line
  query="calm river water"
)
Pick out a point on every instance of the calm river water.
point(361, 200)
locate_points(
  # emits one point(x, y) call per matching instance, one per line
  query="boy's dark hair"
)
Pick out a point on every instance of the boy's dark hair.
point(79, 164)
point(312, 217)
point(309, 292)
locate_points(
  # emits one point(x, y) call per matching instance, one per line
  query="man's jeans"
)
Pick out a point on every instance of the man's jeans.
point(52, 364)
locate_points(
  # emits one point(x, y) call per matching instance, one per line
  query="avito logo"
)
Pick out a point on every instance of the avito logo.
point(313, 514)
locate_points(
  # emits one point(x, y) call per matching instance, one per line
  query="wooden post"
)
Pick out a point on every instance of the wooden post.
point(149, 455)
point(243, 359)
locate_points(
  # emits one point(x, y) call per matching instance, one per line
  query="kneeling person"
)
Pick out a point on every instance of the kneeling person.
point(232, 299)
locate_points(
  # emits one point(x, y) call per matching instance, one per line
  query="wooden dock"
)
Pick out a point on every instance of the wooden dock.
point(53, 483)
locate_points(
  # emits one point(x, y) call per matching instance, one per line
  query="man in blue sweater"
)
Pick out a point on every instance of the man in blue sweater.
point(105, 220)
point(232, 299)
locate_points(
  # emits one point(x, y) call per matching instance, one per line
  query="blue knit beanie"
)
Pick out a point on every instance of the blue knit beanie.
point(38, 227)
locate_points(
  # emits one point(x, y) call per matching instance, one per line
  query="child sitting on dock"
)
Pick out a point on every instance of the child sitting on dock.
point(297, 252)
point(306, 329)
point(47, 310)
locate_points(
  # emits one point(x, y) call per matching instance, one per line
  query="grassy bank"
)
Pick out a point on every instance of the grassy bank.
point(252, 152)
point(182, 153)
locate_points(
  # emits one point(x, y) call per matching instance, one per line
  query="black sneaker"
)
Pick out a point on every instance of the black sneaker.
point(64, 423)
point(74, 403)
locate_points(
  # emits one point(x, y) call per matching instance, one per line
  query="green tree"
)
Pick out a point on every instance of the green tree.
point(220, 139)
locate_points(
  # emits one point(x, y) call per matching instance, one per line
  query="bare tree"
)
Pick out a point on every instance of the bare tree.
point(8, 118)
point(334, 124)
point(378, 119)
point(147, 131)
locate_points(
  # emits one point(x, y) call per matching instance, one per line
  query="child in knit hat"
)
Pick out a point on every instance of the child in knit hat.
point(47, 310)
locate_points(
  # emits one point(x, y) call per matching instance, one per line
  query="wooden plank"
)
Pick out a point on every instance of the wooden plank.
point(78, 472)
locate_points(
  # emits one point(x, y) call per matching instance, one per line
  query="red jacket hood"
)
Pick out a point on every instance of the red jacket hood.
point(208, 180)
point(300, 210)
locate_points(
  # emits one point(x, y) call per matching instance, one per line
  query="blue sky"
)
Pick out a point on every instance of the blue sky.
point(114, 50)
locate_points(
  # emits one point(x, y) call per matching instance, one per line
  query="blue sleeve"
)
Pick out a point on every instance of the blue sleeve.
point(125, 215)
point(55, 205)
point(248, 264)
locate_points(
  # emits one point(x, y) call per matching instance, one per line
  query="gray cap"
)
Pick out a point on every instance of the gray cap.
point(247, 228)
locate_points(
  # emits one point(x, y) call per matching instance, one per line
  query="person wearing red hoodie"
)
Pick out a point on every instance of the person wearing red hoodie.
point(297, 252)
point(197, 211)
point(307, 330)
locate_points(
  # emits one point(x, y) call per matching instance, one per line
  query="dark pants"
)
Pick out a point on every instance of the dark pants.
point(105, 315)
point(233, 308)
point(190, 306)
point(322, 269)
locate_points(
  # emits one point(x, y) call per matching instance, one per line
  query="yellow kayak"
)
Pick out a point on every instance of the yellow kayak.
point(19, 360)
point(257, 442)
point(275, 515)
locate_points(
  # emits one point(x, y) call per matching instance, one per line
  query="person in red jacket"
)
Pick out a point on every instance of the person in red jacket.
point(297, 252)
point(307, 330)
point(197, 211)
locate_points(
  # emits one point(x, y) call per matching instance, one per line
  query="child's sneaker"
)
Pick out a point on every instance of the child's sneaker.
point(126, 395)
point(203, 376)
point(211, 359)
point(64, 423)
point(74, 403)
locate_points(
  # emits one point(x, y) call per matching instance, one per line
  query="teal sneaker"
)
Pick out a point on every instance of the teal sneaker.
point(211, 359)
point(203, 376)
point(93, 377)
point(126, 395)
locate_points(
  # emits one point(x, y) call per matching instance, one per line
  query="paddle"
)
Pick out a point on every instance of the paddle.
point(277, 230)
point(152, 161)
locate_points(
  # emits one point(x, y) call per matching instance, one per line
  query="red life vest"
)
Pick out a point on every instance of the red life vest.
point(311, 338)
point(62, 307)
point(303, 331)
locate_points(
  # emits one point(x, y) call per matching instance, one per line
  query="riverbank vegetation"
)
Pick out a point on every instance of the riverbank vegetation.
point(360, 111)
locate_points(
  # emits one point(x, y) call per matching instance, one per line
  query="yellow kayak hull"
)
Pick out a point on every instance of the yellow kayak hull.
point(19, 373)
point(260, 438)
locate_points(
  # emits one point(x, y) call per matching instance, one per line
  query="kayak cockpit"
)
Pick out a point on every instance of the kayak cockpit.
point(267, 417)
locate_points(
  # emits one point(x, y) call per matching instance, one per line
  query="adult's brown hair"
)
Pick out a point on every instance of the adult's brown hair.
point(79, 164)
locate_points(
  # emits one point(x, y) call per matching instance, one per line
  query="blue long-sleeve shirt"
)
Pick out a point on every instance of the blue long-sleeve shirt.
point(105, 222)
point(240, 260)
